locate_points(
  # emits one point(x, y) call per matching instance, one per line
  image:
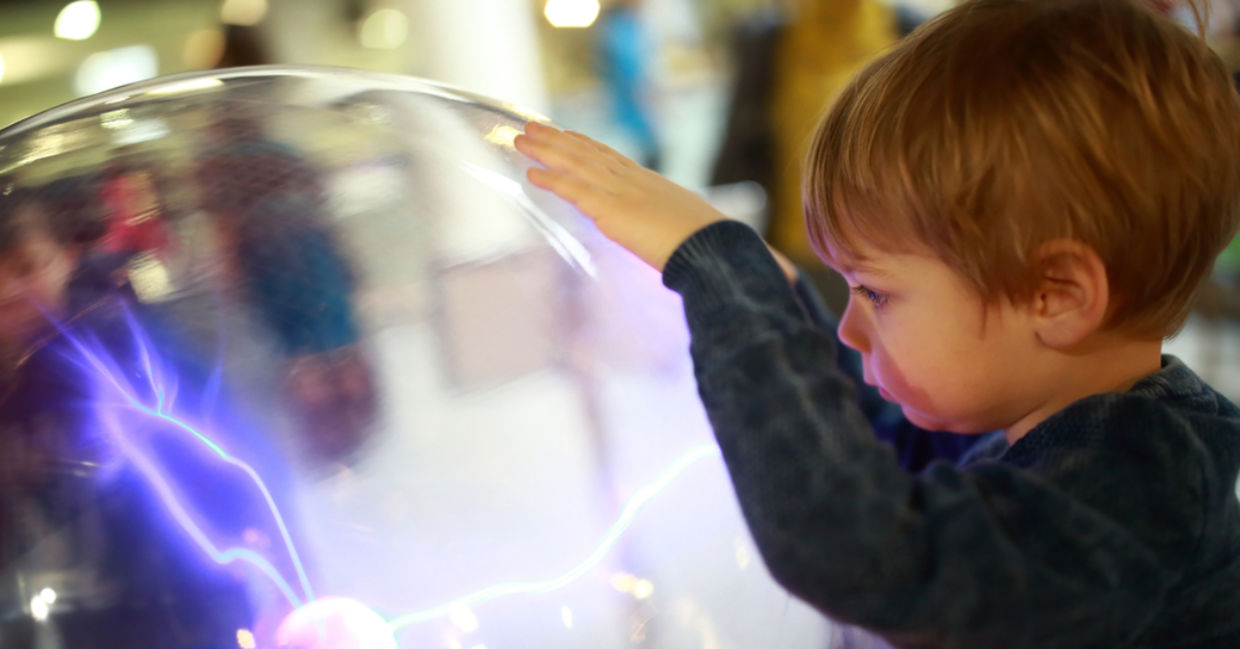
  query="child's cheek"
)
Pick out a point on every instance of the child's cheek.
point(902, 384)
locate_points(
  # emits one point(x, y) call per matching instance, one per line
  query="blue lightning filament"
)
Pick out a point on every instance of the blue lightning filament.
point(639, 500)
point(166, 494)
point(183, 518)
point(157, 387)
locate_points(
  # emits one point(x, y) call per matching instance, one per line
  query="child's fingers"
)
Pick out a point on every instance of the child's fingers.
point(566, 186)
point(571, 156)
point(601, 148)
point(555, 150)
point(546, 141)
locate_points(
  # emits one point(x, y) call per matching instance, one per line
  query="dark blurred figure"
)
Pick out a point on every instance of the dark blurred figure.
point(624, 51)
point(267, 203)
point(789, 65)
point(90, 555)
point(243, 45)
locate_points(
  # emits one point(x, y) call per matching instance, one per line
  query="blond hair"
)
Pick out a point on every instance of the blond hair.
point(1004, 124)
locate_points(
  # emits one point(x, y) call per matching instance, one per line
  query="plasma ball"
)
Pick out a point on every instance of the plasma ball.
point(320, 310)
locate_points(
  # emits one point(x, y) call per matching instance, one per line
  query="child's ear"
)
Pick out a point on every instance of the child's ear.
point(1072, 293)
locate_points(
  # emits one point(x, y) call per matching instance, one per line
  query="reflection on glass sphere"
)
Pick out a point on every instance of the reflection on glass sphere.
point(296, 357)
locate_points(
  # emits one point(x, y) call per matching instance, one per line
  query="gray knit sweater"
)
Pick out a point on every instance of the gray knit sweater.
point(1113, 523)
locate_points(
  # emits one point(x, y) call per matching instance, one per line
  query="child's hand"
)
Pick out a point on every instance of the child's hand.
point(633, 206)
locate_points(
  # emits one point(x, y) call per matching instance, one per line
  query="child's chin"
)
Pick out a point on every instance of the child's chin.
point(925, 422)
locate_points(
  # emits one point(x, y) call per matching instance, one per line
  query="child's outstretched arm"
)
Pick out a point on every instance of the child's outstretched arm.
point(995, 555)
point(634, 206)
point(651, 216)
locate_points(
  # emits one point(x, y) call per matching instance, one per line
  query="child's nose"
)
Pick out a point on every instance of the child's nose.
point(850, 329)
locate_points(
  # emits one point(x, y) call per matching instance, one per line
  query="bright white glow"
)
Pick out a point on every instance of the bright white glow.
point(245, 639)
point(1, 68)
point(191, 85)
point(643, 589)
point(464, 619)
point(78, 21)
point(38, 608)
point(112, 68)
point(566, 616)
point(145, 130)
point(571, 13)
point(743, 557)
point(48, 595)
point(637, 587)
point(245, 13)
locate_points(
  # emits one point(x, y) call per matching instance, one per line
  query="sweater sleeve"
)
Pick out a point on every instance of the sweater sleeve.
point(991, 556)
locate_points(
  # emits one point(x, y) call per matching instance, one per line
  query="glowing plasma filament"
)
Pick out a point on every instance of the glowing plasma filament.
point(639, 500)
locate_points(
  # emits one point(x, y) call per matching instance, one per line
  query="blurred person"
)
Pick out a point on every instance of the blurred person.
point(1016, 271)
point(79, 513)
point(134, 214)
point(624, 49)
point(789, 60)
point(243, 46)
point(267, 203)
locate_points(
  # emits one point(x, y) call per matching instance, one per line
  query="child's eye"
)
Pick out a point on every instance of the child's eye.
point(875, 298)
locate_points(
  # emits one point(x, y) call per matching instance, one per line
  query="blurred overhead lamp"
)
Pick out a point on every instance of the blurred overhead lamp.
point(78, 21)
point(384, 29)
point(203, 48)
point(571, 13)
point(243, 13)
point(111, 68)
point(30, 57)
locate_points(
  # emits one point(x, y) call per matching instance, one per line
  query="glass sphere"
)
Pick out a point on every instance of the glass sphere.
point(296, 357)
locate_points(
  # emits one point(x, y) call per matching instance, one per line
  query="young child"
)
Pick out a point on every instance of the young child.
point(1024, 196)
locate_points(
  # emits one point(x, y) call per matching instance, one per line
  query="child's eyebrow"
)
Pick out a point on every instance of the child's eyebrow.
point(854, 266)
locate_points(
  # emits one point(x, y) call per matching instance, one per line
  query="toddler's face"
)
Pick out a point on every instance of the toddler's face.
point(33, 278)
point(929, 344)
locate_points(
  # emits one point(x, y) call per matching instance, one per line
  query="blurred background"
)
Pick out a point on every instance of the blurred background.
point(565, 58)
point(719, 95)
